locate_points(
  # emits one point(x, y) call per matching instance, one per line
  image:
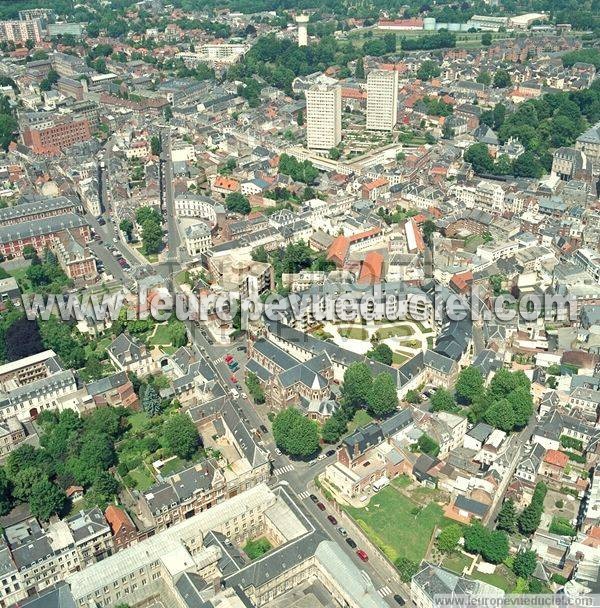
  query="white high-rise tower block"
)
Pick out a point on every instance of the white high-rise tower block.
point(301, 22)
point(323, 116)
point(382, 99)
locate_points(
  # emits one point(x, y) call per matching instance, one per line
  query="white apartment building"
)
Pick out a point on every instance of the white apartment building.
point(197, 205)
point(20, 31)
point(382, 99)
point(323, 116)
point(197, 239)
point(489, 195)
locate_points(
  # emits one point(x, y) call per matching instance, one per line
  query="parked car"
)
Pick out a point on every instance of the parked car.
point(263, 428)
point(321, 456)
point(321, 506)
point(278, 451)
point(332, 520)
point(399, 600)
point(362, 555)
point(330, 453)
point(343, 531)
point(314, 498)
point(351, 543)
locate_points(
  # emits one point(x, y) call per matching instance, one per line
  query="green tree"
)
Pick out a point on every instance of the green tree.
point(522, 405)
point(428, 228)
point(155, 146)
point(428, 70)
point(531, 516)
point(126, 226)
point(507, 517)
point(407, 568)
point(238, 203)
point(254, 387)
point(383, 397)
point(6, 500)
point(469, 385)
point(427, 445)
point(8, 128)
point(46, 499)
point(335, 153)
point(501, 415)
point(448, 539)
point(476, 537)
point(300, 118)
point(413, 396)
point(442, 401)
point(496, 547)
point(480, 158)
point(180, 436)
point(295, 434)
point(357, 385)
point(524, 563)
point(486, 39)
point(335, 426)
point(502, 79)
point(29, 252)
point(24, 481)
point(484, 78)
point(359, 71)
point(151, 402)
point(382, 353)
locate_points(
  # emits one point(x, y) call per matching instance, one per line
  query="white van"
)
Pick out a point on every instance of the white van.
point(235, 394)
point(380, 484)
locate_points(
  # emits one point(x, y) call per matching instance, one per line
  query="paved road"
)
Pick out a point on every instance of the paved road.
point(518, 442)
point(173, 238)
point(297, 475)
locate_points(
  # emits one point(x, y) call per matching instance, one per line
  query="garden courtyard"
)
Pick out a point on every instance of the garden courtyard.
point(405, 338)
point(397, 522)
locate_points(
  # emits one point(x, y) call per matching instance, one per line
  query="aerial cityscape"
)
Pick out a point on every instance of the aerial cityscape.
point(299, 303)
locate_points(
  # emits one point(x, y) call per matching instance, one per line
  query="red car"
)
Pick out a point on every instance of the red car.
point(228, 358)
point(332, 519)
point(321, 506)
point(233, 379)
point(362, 555)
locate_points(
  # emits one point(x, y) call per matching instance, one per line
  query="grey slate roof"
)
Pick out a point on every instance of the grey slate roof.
point(475, 507)
point(39, 227)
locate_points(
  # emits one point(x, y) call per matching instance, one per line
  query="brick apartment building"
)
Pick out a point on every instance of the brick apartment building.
point(51, 136)
point(42, 234)
point(40, 209)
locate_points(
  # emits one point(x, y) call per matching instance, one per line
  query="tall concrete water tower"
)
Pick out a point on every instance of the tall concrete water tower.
point(302, 22)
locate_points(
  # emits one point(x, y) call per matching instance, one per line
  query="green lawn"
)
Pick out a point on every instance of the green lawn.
point(355, 333)
point(173, 466)
point(402, 481)
point(361, 418)
point(142, 477)
point(502, 578)
point(162, 335)
point(398, 358)
point(390, 332)
point(393, 523)
point(456, 562)
point(138, 421)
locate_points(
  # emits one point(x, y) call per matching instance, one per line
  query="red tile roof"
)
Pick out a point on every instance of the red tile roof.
point(371, 269)
point(556, 458)
point(116, 518)
point(338, 250)
point(227, 183)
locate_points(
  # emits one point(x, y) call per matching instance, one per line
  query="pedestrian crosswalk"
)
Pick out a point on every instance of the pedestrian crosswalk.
point(303, 495)
point(286, 469)
point(384, 591)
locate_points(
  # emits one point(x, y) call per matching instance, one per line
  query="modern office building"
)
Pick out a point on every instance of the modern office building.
point(382, 99)
point(324, 116)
